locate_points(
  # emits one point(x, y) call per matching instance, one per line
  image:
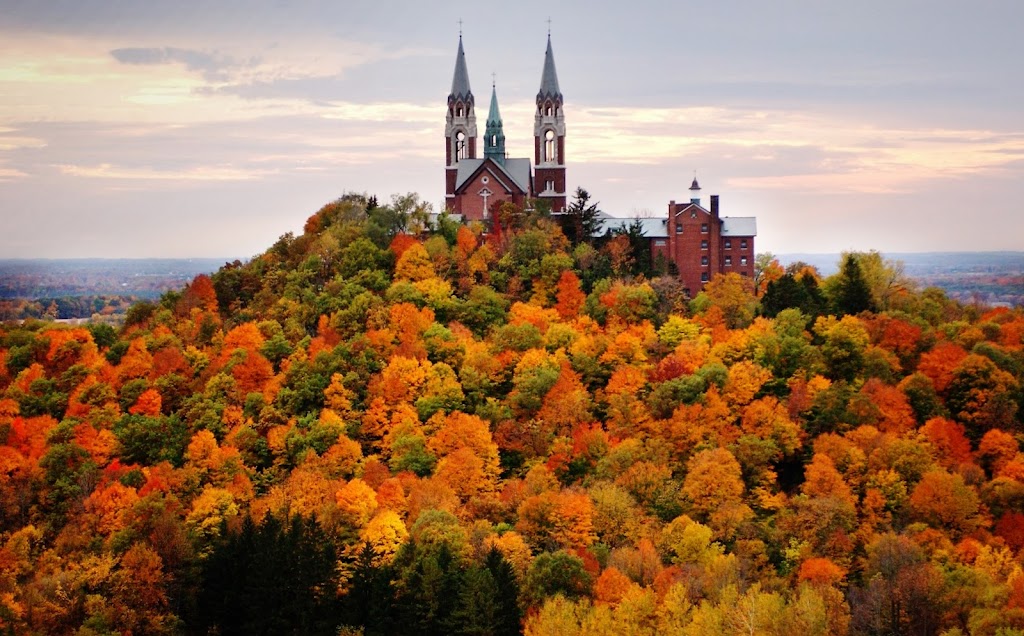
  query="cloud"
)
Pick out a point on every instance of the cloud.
point(197, 173)
point(9, 174)
point(800, 151)
point(211, 65)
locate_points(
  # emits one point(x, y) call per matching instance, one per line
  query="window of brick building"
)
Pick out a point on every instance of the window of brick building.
point(704, 244)
point(659, 243)
point(703, 260)
point(703, 277)
point(728, 244)
point(728, 261)
point(703, 228)
point(743, 260)
point(679, 228)
point(743, 245)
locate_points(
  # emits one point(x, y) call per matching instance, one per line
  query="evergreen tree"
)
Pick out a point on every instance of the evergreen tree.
point(584, 218)
point(370, 601)
point(852, 294)
point(270, 578)
point(788, 292)
point(509, 613)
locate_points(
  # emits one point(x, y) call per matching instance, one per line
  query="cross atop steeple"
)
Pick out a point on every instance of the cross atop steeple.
point(549, 26)
point(460, 28)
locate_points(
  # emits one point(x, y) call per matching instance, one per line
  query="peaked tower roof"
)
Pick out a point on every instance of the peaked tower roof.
point(460, 82)
point(494, 116)
point(494, 138)
point(549, 80)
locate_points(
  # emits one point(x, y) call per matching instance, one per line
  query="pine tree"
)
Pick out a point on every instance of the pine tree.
point(852, 294)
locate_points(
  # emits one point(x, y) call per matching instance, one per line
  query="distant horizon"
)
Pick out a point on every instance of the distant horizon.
point(242, 258)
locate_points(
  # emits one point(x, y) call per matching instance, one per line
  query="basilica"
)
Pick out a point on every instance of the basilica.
point(695, 240)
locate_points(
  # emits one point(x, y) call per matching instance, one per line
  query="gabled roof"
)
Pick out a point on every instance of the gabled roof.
point(515, 173)
point(650, 227)
point(549, 79)
point(658, 227)
point(689, 207)
point(739, 226)
point(460, 81)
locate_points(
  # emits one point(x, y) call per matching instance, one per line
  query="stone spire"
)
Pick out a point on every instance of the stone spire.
point(494, 137)
point(460, 81)
point(549, 80)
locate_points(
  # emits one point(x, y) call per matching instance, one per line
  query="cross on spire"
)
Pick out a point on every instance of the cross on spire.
point(494, 81)
point(549, 26)
point(460, 27)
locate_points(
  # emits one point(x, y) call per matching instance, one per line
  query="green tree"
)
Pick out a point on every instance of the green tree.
point(850, 291)
point(270, 578)
point(584, 218)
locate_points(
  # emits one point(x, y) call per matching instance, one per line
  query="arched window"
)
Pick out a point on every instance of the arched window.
point(549, 145)
point(460, 145)
point(547, 110)
point(494, 140)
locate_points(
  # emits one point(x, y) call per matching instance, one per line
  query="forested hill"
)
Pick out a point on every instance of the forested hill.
point(380, 427)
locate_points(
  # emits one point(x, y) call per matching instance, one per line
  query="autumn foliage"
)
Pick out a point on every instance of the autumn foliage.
point(373, 427)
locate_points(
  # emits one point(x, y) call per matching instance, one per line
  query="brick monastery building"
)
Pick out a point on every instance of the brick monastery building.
point(697, 240)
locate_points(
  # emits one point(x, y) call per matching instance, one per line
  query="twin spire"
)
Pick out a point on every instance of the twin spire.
point(462, 92)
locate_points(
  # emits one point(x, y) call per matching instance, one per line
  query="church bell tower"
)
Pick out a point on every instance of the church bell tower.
point(549, 138)
point(460, 124)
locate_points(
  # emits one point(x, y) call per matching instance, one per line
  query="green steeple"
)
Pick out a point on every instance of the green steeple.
point(494, 138)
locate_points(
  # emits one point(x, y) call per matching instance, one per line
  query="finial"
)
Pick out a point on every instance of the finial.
point(494, 83)
point(549, 26)
point(460, 28)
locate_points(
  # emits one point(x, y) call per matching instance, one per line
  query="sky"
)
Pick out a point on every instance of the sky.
point(208, 129)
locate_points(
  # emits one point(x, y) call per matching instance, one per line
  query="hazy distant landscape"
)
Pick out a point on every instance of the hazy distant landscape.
point(80, 288)
point(146, 278)
point(993, 278)
point(64, 289)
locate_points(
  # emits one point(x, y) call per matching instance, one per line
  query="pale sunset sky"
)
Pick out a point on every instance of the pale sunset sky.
point(188, 129)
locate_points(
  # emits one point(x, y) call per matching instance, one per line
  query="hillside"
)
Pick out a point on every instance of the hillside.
point(381, 427)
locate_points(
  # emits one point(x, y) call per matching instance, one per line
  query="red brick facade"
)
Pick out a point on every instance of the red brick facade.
point(701, 243)
point(489, 178)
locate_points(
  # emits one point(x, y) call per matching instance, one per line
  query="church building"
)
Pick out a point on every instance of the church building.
point(475, 186)
point(695, 241)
